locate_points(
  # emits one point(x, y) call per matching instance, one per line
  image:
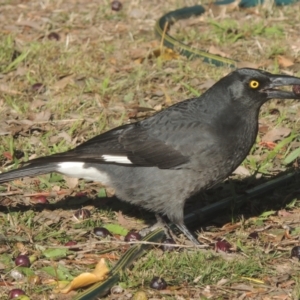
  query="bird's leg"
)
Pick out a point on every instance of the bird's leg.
point(159, 224)
point(168, 231)
point(187, 233)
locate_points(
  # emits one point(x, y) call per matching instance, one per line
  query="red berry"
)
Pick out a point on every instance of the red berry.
point(15, 293)
point(38, 88)
point(296, 252)
point(158, 283)
point(39, 200)
point(80, 194)
point(53, 36)
point(116, 5)
point(253, 235)
point(22, 261)
point(274, 111)
point(296, 89)
point(223, 245)
point(101, 232)
point(132, 236)
point(70, 243)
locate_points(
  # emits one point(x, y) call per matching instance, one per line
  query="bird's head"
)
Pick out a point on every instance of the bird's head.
point(255, 87)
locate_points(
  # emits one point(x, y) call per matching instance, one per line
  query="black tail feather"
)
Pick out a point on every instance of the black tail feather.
point(29, 170)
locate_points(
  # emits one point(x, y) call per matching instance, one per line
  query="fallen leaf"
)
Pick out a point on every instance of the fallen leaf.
point(84, 279)
point(6, 90)
point(62, 135)
point(4, 129)
point(216, 51)
point(137, 13)
point(284, 61)
point(116, 229)
point(242, 287)
point(62, 83)
point(222, 281)
point(121, 220)
point(247, 64)
point(7, 155)
point(276, 134)
point(269, 145)
point(284, 213)
point(71, 182)
point(242, 171)
point(41, 116)
point(220, 11)
point(207, 84)
point(37, 103)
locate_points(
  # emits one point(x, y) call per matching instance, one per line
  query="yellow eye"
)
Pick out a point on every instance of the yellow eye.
point(254, 84)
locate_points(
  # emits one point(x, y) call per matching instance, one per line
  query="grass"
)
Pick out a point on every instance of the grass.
point(99, 75)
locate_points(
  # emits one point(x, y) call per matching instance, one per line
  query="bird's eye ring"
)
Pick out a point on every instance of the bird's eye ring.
point(254, 84)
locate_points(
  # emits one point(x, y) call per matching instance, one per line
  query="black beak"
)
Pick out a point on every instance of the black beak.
point(282, 80)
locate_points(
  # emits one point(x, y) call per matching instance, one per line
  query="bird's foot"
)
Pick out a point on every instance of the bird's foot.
point(188, 234)
point(159, 224)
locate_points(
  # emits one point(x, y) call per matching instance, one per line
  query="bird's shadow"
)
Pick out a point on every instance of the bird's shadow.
point(274, 199)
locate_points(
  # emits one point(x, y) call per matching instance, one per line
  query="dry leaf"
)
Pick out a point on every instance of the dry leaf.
point(276, 134)
point(41, 116)
point(71, 182)
point(242, 171)
point(216, 51)
point(207, 84)
point(247, 64)
point(62, 135)
point(62, 83)
point(138, 53)
point(4, 88)
point(137, 13)
point(121, 220)
point(37, 103)
point(284, 213)
point(284, 61)
point(222, 281)
point(7, 155)
point(220, 11)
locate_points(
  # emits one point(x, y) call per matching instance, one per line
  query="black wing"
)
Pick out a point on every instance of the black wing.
point(169, 139)
point(131, 142)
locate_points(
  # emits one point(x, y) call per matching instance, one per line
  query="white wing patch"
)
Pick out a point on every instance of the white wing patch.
point(79, 170)
point(116, 159)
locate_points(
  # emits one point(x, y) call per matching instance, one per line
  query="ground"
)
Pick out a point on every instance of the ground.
point(70, 70)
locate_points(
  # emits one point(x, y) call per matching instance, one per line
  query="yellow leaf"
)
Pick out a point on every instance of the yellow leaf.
point(84, 279)
point(101, 269)
point(81, 280)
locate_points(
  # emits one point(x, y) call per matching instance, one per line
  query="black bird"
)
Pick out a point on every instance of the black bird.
point(189, 147)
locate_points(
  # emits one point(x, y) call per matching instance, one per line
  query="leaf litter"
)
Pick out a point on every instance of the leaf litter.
point(106, 69)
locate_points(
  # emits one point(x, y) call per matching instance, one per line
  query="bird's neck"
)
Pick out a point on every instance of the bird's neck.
point(237, 129)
